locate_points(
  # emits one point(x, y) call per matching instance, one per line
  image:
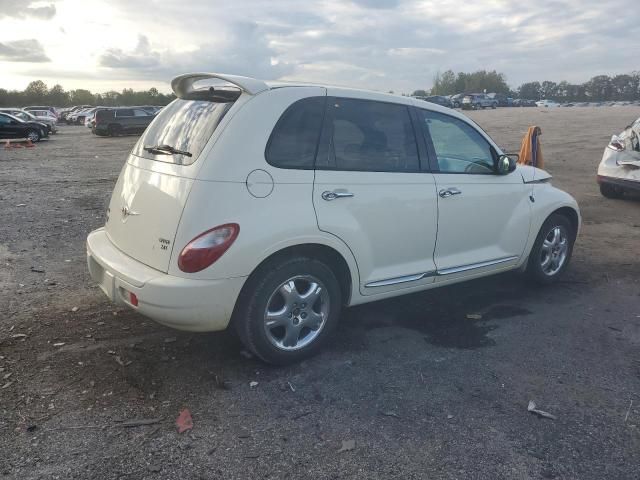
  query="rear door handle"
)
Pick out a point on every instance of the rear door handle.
point(328, 196)
point(448, 192)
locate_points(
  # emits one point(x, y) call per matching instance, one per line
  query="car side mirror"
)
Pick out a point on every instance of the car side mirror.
point(506, 163)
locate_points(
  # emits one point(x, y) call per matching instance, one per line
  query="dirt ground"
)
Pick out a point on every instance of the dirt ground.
point(411, 388)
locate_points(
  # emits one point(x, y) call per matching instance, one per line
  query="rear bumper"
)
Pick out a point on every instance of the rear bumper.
point(193, 305)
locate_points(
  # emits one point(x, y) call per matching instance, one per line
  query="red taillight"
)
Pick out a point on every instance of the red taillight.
point(133, 299)
point(207, 247)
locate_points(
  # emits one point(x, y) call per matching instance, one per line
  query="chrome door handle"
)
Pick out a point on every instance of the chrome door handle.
point(445, 193)
point(328, 196)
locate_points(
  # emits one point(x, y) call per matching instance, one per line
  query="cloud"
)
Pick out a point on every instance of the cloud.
point(140, 58)
point(381, 44)
point(243, 51)
point(23, 51)
point(22, 9)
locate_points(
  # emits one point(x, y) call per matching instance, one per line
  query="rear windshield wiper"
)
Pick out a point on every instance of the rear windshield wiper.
point(166, 150)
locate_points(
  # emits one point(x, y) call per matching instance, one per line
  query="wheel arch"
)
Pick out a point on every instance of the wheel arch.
point(571, 214)
point(318, 251)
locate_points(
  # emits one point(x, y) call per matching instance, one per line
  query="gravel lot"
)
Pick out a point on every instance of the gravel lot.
point(421, 390)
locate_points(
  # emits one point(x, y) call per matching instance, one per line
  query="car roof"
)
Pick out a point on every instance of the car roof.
point(183, 85)
point(5, 114)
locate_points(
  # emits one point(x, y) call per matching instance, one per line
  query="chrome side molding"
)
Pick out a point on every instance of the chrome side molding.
point(439, 273)
point(473, 266)
point(396, 280)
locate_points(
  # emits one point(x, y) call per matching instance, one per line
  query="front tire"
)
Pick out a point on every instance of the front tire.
point(288, 310)
point(552, 250)
point(34, 136)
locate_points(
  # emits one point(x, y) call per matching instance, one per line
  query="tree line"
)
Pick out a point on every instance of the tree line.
point(37, 93)
point(601, 88)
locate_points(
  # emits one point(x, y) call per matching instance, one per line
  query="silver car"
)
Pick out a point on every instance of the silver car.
point(619, 170)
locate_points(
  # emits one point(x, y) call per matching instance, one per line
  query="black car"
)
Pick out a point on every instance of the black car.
point(121, 121)
point(12, 127)
point(439, 100)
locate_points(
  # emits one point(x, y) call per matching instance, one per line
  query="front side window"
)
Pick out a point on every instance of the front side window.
point(125, 112)
point(371, 136)
point(294, 139)
point(458, 147)
point(140, 113)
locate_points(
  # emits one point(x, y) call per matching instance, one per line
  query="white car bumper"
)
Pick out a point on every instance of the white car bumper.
point(184, 304)
point(625, 176)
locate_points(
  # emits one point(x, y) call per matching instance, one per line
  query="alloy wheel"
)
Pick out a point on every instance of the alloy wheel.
point(296, 312)
point(554, 250)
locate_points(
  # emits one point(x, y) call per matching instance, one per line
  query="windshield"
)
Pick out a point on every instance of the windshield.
point(23, 116)
point(182, 126)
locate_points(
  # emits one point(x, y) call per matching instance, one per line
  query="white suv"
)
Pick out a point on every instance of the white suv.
point(271, 206)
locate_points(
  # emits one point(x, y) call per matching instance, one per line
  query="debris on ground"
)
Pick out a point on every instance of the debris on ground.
point(474, 316)
point(184, 421)
point(170, 340)
point(59, 344)
point(140, 422)
point(120, 362)
point(390, 414)
point(626, 417)
point(74, 309)
point(347, 445)
point(253, 384)
point(541, 413)
point(37, 269)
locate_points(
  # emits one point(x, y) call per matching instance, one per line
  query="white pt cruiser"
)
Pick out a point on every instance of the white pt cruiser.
point(271, 206)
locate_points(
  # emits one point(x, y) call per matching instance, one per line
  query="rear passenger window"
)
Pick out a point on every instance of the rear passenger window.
point(371, 136)
point(140, 113)
point(294, 139)
point(125, 112)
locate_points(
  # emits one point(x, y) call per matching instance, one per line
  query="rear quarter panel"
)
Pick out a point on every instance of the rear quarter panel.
point(220, 195)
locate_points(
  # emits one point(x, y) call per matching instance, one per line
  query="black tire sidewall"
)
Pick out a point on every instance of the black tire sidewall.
point(534, 269)
point(249, 321)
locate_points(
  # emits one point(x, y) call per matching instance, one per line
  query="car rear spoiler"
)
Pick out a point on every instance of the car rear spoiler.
point(183, 87)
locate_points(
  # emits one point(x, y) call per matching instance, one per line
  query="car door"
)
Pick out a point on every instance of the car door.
point(483, 217)
point(370, 192)
point(124, 118)
point(7, 130)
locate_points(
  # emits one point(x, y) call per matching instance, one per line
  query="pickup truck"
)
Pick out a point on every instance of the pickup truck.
point(121, 121)
point(474, 101)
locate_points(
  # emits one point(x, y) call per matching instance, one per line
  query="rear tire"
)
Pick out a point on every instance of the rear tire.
point(552, 250)
point(288, 310)
point(611, 191)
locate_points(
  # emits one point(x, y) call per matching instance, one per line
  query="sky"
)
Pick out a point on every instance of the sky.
point(382, 45)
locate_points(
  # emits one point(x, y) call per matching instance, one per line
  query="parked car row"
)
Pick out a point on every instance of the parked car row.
point(476, 101)
point(41, 116)
point(12, 127)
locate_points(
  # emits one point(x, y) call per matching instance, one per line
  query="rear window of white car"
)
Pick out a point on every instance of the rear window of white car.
point(184, 125)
